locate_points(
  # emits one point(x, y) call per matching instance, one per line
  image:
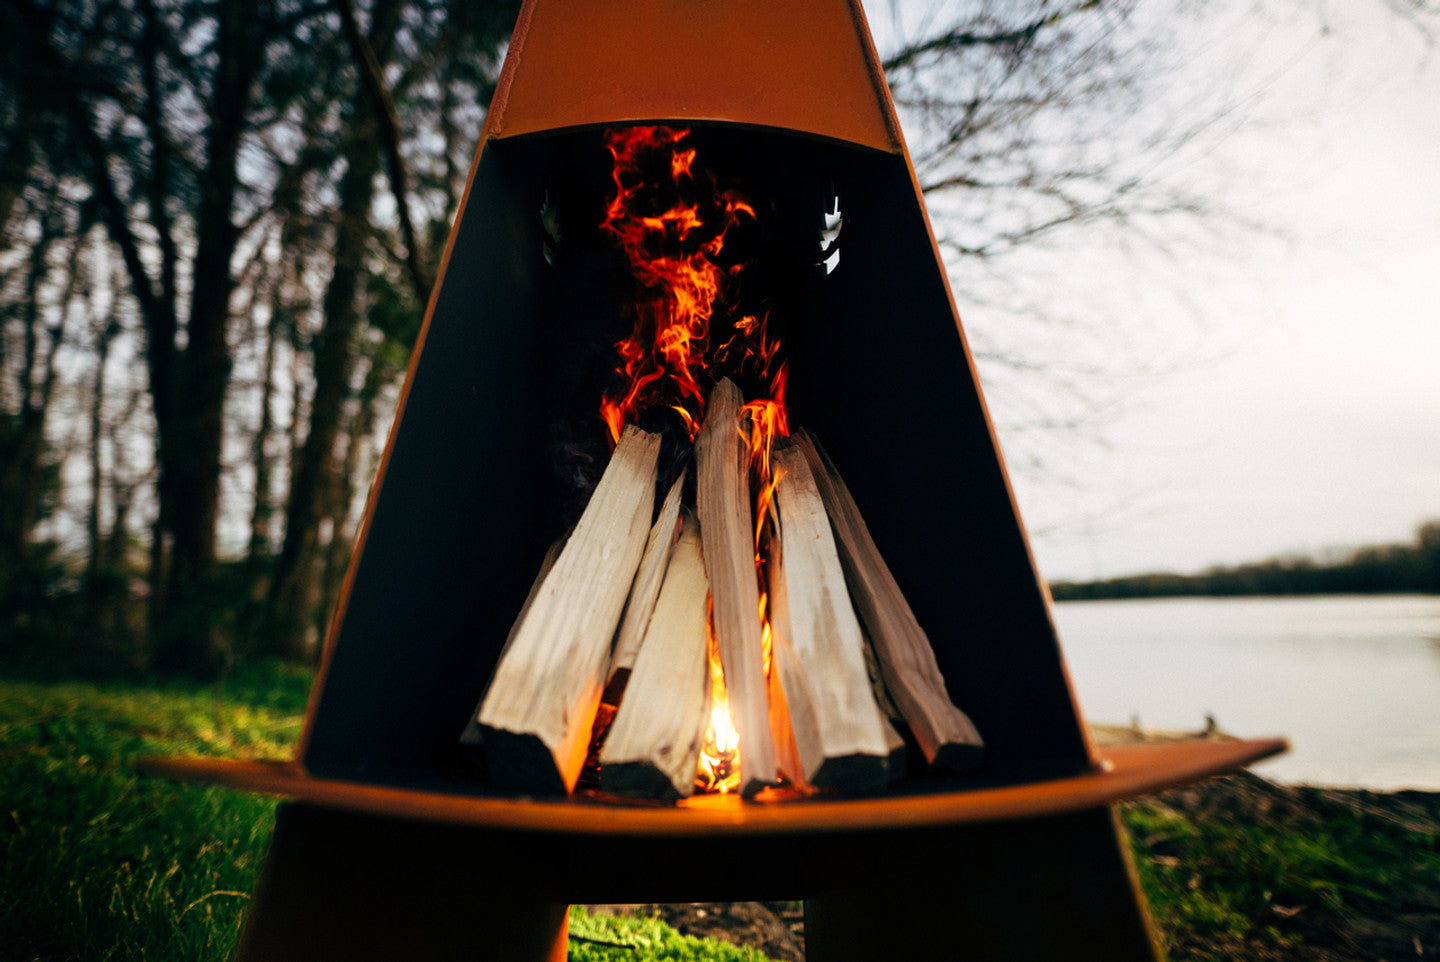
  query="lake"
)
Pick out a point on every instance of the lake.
point(1352, 681)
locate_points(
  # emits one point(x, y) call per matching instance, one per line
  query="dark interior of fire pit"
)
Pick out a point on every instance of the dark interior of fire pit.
point(500, 437)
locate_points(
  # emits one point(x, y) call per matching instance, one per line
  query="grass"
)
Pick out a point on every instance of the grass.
point(98, 863)
point(1302, 866)
point(648, 939)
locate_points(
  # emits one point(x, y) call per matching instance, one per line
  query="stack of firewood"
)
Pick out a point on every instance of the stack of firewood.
point(630, 590)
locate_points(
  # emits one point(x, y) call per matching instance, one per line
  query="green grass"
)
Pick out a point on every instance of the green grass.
point(98, 863)
point(1243, 886)
point(648, 939)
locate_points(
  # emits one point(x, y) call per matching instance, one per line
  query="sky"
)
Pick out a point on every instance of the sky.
point(1306, 416)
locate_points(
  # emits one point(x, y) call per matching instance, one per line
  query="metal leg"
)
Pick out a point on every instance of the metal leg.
point(360, 887)
point(356, 888)
point(1040, 889)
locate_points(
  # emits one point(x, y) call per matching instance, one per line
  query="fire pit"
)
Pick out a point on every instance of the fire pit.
point(395, 843)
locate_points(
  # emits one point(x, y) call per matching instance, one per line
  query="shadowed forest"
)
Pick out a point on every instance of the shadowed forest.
point(220, 236)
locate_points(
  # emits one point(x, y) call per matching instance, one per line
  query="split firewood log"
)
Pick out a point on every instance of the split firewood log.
point(896, 767)
point(728, 537)
point(907, 663)
point(654, 743)
point(651, 575)
point(536, 716)
point(818, 649)
point(470, 737)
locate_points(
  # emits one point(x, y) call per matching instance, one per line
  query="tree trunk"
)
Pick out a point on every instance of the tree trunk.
point(22, 435)
point(258, 552)
point(97, 560)
point(189, 385)
point(295, 589)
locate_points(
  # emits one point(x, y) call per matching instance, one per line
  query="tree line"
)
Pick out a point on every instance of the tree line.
point(1374, 569)
point(219, 225)
point(218, 240)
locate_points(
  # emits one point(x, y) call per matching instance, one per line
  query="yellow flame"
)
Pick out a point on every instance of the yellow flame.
point(719, 768)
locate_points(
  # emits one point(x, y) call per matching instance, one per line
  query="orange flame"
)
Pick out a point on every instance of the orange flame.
point(672, 220)
point(719, 767)
point(672, 224)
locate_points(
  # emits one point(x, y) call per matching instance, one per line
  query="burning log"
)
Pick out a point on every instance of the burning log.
point(907, 663)
point(727, 535)
point(654, 743)
point(647, 582)
point(818, 648)
point(536, 716)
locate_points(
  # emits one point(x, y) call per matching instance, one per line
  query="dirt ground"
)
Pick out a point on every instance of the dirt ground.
point(1405, 925)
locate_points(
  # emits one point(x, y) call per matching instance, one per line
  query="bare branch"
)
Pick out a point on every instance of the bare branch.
point(1017, 39)
point(373, 80)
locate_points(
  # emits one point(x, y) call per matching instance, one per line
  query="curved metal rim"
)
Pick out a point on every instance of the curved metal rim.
point(1125, 771)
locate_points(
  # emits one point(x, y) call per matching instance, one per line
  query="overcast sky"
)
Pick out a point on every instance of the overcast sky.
point(1310, 417)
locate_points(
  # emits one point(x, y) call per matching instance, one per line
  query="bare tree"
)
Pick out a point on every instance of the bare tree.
point(1052, 136)
point(44, 284)
point(423, 54)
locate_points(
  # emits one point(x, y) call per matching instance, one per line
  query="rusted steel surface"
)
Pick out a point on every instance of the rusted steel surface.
point(365, 887)
point(1125, 771)
point(458, 516)
point(800, 66)
point(459, 520)
point(1032, 891)
point(337, 886)
point(462, 514)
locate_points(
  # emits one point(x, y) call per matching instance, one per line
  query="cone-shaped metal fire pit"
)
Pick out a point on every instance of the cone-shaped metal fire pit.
point(394, 845)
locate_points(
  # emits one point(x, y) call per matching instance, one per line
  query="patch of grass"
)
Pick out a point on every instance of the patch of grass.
point(1252, 884)
point(98, 863)
point(649, 939)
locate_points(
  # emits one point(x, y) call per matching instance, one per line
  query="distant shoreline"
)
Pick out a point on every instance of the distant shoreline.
point(1385, 569)
point(1109, 591)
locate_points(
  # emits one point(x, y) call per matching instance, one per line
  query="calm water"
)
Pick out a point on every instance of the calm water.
point(1353, 682)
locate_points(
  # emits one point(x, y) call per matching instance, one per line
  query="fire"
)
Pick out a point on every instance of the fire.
point(719, 768)
point(673, 220)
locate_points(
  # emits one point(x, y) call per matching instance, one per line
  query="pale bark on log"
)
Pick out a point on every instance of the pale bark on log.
point(944, 733)
point(471, 737)
point(646, 589)
point(536, 716)
point(728, 537)
point(654, 743)
point(817, 645)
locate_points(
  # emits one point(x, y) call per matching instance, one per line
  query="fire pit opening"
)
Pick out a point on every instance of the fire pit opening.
point(503, 438)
